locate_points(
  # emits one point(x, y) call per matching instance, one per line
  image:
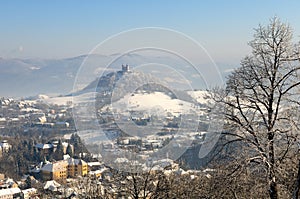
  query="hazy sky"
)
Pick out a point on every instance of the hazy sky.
point(56, 29)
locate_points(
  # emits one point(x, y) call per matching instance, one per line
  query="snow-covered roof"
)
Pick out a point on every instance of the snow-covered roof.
point(65, 144)
point(91, 164)
point(27, 110)
point(157, 168)
point(72, 161)
point(52, 185)
point(60, 123)
point(5, 145)
point(14, 119)
point(98, 171)
point(56, 166)
point(66, 157)
point(29, 191)
point(36, 169)
point(163, 162)
point(10, 191)
point(121, 160)
point(44, 146)
point(10, 181)
point(47, 167)
point(62, 164)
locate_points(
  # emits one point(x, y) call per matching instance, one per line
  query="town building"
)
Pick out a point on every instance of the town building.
point(77, 167)
point(11, 193)
point(62, 169)
point(3, 122)
point(44, 148)
point(6, 183)
point(29, 193)
point(125, 68)
point(4, 147)
point(55, 171)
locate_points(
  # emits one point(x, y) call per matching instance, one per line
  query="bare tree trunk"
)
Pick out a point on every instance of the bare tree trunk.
point(273, 192)
point(273, 189)
point(297, 186)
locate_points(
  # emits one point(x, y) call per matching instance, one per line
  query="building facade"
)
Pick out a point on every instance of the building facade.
point(55, 171)
point(4, 147)
point(77, 167)
point(63, 169)
point(11, 193)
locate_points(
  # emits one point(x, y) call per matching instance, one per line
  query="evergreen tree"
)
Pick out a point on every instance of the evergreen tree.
point(59, 153)
point(78, 145)
point(28, 182)
point(70, 150)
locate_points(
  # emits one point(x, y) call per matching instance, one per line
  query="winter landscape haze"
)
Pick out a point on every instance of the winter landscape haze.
point(149, 99)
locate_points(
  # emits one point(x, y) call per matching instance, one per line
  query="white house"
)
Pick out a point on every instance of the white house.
point(10, 193)
point(28, 193)
point(4, 147)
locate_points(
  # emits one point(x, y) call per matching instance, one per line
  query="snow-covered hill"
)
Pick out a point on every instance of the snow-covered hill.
point(137, 91)
point(157, 103)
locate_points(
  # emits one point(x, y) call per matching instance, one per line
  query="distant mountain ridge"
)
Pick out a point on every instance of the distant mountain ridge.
point(30, 77)
point(27, 77)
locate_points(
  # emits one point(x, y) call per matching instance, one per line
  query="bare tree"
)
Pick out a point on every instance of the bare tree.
point(261, 100)
point(137, 185)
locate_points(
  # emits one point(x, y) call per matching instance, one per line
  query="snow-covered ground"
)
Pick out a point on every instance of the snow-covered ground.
point(153, 102)
point(201, 96)
point(86, 97)
point(149, 103)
